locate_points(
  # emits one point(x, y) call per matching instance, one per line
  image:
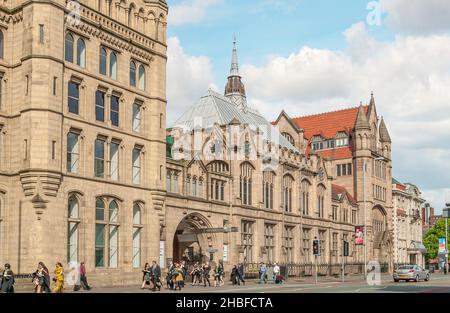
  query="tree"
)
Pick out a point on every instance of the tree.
point(431, 239)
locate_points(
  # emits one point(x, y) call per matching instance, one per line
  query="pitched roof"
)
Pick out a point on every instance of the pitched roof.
point(384, 133)
point(329, 124)
point(337, 193)
point(214, 108)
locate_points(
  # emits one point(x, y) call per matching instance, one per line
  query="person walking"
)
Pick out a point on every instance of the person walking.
point(83, 277)
point(194, 275)
point(276, 272)
point(156, 276)
point(178, 277)
point(7, 280)
point(262, 273)
point(170, 272)
point(206, 270)
point(146, 277)
point(240, 273)
point(184, 272)
point(41, 279)
point(234, 275)
point(59, 278)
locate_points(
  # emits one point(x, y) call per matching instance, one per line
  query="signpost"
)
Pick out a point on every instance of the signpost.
point(446, 215)
point(316, 252)
point(344, 255)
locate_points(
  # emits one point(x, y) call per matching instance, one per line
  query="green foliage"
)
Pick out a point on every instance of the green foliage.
point(431, 239)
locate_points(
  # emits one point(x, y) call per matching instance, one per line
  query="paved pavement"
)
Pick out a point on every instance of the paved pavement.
point(438, 284)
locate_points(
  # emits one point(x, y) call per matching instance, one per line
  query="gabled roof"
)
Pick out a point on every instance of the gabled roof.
point(214, 108)
point(330, 123)
point(339, 192)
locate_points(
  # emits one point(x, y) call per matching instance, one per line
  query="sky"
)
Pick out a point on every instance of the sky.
point(311, 56)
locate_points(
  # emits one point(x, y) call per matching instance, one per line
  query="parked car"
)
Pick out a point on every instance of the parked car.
point(411, 272)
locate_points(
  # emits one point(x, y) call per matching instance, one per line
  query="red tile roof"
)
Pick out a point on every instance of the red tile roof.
point(328, 124)
point(337, 153)
point(337, 190)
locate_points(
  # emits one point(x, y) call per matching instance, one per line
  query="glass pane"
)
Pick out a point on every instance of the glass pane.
point(114, 110)
point(72, 153)
point(103, 61)
point(73, 207)
point(73, 97)
point(69, 48)
point(99, 245)
point(136, 117)
point(136, 214)
point(141, 77)
point(81, 53)
point(113, 65)
point(113, 212)
point(99, 210)
point(99, 157)
point(99, 106)
point(113, 246)
point(133, 74)
point(73, 242)
point(114, 161)
point(136, 247)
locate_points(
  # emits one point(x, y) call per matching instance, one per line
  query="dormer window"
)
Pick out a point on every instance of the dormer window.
point(341, 140)
point(289, 138)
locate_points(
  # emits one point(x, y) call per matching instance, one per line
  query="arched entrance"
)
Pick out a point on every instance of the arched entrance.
point(382, 241)
point(191, 243)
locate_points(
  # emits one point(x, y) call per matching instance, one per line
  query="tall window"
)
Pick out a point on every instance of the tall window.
point(99, 165)
point(246, 184)
point(306, 244)
point(1, 44)
point(73, 152)
point(106, 234)
point(73, 225)
point(100, 106)
point(322, 239)
point(113, 65)
point(136, 166)
point(114, 161)
point(141, 77)
point(305, 197)
point(269, 242)
point(136, 117)
point(289, 243)
point(194, 186)
point(334, 246)
point(247, 240)
point(114, 108)
point(81, 53)
point(200, 187)
point(169, 182)
point(137, 227)
point(69, 48)
point(217, 189)
point(320, 201)
point(74, 97)
point(175, 183)
point(267, 189)
point(103, 56)
point(288, 183)
point(133, 74)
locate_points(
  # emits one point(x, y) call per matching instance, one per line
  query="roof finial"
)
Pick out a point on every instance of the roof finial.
point(234, 71)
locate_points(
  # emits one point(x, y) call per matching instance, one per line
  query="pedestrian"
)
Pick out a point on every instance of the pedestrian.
point(178, 277)
point(194, 275)
point(59, 278)
point(184, 272)
point(276, 272)
point(170, 272)
point(262, 273)
point(83, 277)
point(146, 277)
point(7, 280)
point(221, 273)
point(41, 279)
point(206, 270)
point(156, 276)
point(240, 273)
point(233, 275)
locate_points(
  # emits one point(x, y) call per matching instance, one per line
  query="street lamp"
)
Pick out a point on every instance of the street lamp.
point(365, 213)
point(446, 215)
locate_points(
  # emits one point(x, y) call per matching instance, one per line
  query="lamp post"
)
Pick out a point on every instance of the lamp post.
point(365, 213)
point(446, 215)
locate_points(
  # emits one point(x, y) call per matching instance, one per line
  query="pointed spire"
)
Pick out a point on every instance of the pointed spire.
point(384, 134)
point(371, 105)
point(361, 119)
point(234, 71)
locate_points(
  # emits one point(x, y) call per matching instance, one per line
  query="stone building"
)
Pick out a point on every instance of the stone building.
point(408, 223)
point(82, 134)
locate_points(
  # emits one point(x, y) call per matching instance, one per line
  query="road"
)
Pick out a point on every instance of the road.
point(438, 284)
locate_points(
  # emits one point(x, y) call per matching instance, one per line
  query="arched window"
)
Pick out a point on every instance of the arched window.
point(133, 74)
point(113, 211)
point(106, 234)
point(130, 15)
point(81, 53)
point(288, 184)
point(194, 186)
point(73, 225)
point(103, 56)
point(267, 190)
point(113, 65)
point(69, 48)
point(306, 186)
point(200, 187)
point(188, 185)
point(245, 184)
point(137, 229)
point(141, 77)
point(110, 7)
point(1, 44)
point(99, 233)
point(320, 201)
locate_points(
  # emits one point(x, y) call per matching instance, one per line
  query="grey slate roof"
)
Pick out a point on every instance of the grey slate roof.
point(215, 108)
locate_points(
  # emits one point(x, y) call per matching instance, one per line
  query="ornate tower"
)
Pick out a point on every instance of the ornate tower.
point(235, 89)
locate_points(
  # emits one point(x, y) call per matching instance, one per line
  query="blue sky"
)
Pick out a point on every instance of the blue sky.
point(310, 56)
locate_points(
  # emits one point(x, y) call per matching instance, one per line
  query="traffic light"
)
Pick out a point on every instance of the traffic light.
point(345, 248)
point(316, 247)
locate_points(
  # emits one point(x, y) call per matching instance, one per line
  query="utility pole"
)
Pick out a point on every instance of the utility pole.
point(365, 220)
point(446, 215)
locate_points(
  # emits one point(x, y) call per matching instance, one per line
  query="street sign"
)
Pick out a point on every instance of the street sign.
point(446, 213)
point(214, 230)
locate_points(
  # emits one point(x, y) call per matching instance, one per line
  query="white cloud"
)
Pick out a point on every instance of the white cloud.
point(437, 196)
point(188, 77)
point(417, 16)
point(410, 77)
point(190, 12)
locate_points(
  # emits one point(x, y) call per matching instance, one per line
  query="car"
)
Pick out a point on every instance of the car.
point(411, 272)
